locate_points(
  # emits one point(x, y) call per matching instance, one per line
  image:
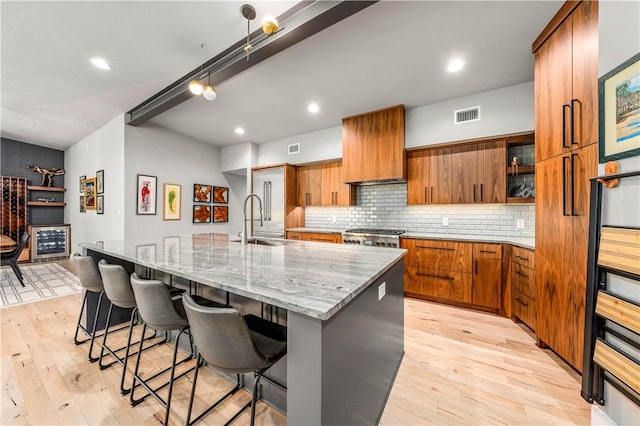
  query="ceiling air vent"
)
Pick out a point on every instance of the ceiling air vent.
point(293, 148)
point(466, 115)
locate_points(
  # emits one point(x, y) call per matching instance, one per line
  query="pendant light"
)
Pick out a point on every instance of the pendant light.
point(209, 93)
point(249, 12)
point(195, 86)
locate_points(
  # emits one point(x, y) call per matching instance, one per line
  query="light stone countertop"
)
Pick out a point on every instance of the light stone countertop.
point(311, 278)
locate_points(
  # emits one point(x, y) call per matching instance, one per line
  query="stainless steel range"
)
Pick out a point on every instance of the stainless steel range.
point(372, 237)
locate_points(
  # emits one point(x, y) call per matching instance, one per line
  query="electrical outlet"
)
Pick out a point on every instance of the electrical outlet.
point(520, 224)
point(445, 221)
point(382, 290)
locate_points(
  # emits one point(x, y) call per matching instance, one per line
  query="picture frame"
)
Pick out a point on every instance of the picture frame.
point(90, 200)
point(146, 194)
point(220, 214)
point(202, 193)
point(220, 194)
point(81, 181)
point(201, 213)
point(82, 209)
point(171, 201)
point(619, 113)
point(100, 181)
point(100, 205)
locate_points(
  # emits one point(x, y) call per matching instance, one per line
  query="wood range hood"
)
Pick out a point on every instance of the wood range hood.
point(373, 147)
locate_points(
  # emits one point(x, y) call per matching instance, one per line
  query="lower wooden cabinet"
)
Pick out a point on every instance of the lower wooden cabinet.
point(455, 286)
point(314, 236)
point(523, 286)
point(487, 275)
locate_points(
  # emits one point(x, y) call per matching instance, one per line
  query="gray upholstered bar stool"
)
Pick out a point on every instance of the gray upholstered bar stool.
point(160, 312)
point(235, 344)
point(91, 282)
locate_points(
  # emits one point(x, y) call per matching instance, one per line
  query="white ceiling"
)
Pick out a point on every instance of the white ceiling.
point(393, 52)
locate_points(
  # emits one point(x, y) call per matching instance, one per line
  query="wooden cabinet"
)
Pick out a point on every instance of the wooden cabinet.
point(566, 120)
point(487, 275)
point(314, 236)
point(521, 179)
point(373, 146)
point(523, 286)
point(464, 174)
point(322, 185)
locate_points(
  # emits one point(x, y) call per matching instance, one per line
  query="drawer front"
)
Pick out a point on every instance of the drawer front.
point(440, 255)
point(325, 238)
point(523, 280)
point(523, 257)
point(445, 285)
point(524, 308)
point(487, 251)
point(291, 235)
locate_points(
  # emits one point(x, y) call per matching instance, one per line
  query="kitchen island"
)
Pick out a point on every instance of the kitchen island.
point(344, 305)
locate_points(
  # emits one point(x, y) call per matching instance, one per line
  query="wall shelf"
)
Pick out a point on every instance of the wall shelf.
point(522, 200)
point(47, 204)
point(46, 188)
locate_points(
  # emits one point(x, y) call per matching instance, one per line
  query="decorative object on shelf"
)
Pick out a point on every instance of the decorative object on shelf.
point(82, 208)
point(100, 181)
point(90, 193)
point(521, 190)
point(171, 201)
point(146, 194)
point(100, 205)
point(619, 105)
point(201, 214)
point(611, 168)
point(220, 214)
point(47, 174)
point(201, 193)
point(514, 166)
point(220, 194)
point(81, 180)
point(46, 200)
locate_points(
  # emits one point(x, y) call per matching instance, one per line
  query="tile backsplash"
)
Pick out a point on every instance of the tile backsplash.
point(385, 206)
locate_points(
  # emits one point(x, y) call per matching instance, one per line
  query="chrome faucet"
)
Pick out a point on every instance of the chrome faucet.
point(243, 234)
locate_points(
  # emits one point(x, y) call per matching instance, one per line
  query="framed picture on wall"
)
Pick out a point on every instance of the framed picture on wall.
point(619, 108)
point(201, 214)
point(90, 200)
point(201, 193)
point(100, 205)
point(171, 201)
point(146, 194)
point(81, 181)
point(100, 181)
point(82, 209)
point(220, 194)
point(220, 214)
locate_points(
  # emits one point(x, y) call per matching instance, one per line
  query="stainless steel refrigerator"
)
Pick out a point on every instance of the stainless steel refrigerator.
point(268, 184)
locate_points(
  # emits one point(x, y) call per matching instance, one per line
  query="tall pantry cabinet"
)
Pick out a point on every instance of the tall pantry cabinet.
point(566, 117)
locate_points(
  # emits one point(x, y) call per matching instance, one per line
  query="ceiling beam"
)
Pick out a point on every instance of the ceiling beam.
point(298, 23)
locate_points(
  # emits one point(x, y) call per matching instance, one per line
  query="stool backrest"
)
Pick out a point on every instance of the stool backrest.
point(222, 337)
point(88, 272)
point(155, 305)
point(116, 285)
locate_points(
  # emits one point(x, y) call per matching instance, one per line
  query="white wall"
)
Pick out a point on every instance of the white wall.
point(619, 40)
point(177, 159)
point(321, 145)
point(102, 150)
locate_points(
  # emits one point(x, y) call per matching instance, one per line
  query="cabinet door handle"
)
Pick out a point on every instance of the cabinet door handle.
point(431, 194)
point(476, 267)
point(573, 123)
point(521, 302)
point(564, 186)
point(318, 239)
point(521, 257)
point(573, 186)
point(435, 276)
point(474, 192)
point(488, 251)
point(522, 275)
point(435, 248)
point(426, 198)
point(481, 194)
point(564, 125)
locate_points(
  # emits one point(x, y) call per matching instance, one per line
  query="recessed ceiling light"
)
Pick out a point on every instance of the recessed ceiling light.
point(240, 130)
point(455, 65)
point(100, 63)
point(313, 108)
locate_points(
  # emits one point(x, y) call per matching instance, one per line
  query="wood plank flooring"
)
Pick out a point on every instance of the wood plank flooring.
point(460, 367)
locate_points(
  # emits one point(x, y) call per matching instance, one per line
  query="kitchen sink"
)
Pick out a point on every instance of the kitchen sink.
point(263, 242)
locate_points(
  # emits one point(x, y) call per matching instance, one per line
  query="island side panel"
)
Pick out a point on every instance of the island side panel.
point(341, 371)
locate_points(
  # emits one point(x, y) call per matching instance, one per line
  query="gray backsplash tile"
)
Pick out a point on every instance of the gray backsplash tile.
point(385, 206)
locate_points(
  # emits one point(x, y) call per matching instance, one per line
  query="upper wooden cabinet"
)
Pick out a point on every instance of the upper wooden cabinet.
point(566, 84)
point(322, 185)
point(429, 176)
point(373, 146)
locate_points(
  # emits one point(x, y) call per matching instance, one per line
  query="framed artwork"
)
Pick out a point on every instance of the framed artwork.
point(146, 194)
point(201, 214)
point(619, 111)
point(82, 179)
point(220, 194)
point(171, 201)
point(82, 209)
point(100, 205)
point(146, 253)
point(100, 181)
point(171, 250)
point(90, 200)
point(220, 214)
point(201, 193)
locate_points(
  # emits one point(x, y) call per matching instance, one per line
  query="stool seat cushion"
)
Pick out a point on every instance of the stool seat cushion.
point(269, 338)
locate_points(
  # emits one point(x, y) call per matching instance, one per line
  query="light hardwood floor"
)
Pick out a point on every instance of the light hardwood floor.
point(460, 367)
